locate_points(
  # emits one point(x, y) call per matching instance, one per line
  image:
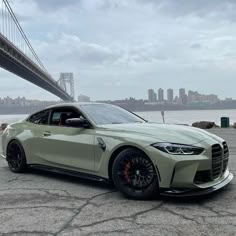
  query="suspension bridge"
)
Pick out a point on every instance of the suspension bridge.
point(18, 56)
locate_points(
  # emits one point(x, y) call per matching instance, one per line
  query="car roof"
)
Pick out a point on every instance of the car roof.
point(73, 104)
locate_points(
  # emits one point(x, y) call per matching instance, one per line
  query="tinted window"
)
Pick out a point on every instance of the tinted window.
point(40, 118)
point(109, 114)
point(59, 116)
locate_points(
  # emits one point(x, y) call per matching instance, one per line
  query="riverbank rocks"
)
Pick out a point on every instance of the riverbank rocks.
point(3, 126)
point(204, 124)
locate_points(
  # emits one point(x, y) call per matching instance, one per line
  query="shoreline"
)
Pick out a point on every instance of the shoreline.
point(133, 110)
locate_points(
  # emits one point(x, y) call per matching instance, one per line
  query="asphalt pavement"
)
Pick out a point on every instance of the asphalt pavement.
point(42, 203)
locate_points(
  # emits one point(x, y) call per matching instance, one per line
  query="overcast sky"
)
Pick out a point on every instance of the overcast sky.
point(121, 48)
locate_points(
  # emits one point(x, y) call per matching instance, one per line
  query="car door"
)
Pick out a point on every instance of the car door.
point(36, 123)
point(63, 146)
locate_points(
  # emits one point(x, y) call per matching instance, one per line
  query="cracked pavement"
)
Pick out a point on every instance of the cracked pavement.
point(43, 203)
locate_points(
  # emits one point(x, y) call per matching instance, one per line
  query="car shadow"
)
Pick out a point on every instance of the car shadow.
point(177, 200)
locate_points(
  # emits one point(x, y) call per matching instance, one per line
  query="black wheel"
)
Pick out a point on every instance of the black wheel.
point(134, 175)
point(16, 157)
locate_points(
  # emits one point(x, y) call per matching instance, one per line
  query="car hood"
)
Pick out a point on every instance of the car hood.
point(163, 132)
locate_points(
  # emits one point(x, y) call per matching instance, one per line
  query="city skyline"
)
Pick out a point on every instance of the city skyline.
point(191, 100)
point(183, 96)
point(161, 95)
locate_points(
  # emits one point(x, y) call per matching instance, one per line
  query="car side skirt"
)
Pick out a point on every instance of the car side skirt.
point(69, 172)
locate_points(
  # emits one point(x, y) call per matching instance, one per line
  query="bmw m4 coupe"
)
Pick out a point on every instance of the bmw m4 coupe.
point(105, 142)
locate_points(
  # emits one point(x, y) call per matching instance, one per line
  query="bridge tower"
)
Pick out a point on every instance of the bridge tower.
point(66, 82)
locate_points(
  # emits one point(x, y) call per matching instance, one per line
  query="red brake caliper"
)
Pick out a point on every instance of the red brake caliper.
point(126, 172)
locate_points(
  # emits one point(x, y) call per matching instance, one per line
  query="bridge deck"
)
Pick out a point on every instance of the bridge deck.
point(14, 61)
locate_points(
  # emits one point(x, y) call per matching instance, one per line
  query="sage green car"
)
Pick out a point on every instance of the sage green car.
point(105, 142)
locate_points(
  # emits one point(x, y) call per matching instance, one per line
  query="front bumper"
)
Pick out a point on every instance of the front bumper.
point(199, 191)
point(180, 172)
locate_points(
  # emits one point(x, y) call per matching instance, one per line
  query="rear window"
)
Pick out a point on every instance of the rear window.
point(40, 118)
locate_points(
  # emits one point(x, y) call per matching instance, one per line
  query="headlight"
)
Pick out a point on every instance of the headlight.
point(178, 149)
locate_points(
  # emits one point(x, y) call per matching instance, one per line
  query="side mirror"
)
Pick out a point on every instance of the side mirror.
point(77, 122)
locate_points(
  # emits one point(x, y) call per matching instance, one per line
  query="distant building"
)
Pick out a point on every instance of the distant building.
point(83, 98)
point(212, 98)
point(23, 102)
point(170, 95)
point(228, 99)
point(183, 98)
point(155, 97)
point(176, 100)
point(182, 93)
point(160, 95)
point(194, 96)
point(152, 96)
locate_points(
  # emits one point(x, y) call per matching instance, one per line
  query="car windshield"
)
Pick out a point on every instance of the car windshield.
point(103, 114)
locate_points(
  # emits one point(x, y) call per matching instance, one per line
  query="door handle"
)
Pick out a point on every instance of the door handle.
point(46, 133)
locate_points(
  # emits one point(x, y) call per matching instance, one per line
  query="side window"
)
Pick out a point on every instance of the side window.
point(55, 118)
point(40, 118)
point(59, 116)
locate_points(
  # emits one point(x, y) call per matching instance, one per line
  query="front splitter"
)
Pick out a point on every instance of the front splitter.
point(197, 192)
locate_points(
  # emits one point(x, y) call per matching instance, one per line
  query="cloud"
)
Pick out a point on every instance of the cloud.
point(72, 49)
point(201, 8)
point(51, 5)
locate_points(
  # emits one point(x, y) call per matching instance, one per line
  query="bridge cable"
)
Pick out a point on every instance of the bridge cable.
point(23, 34)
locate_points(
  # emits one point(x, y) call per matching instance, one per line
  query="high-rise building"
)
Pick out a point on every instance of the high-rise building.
point(183, 98)
point(182, 93)
point(152, 96)
point(160, 95)
point(170, 95)
point(155, 97)
point(83, 98)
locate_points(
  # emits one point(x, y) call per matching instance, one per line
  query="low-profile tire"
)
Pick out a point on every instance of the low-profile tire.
point(134, 175)
point(16, 157)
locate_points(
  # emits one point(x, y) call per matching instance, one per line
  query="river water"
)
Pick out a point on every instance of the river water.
point(176, 117)
point(189, 117)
